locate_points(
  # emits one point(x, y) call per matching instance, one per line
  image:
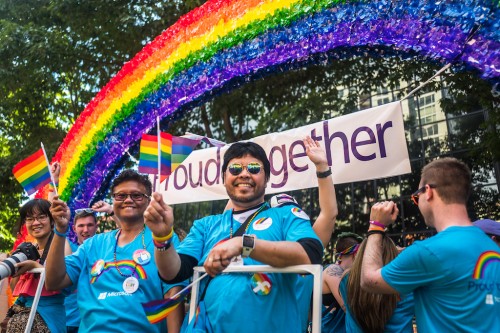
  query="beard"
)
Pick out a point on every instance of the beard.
point(255, 197)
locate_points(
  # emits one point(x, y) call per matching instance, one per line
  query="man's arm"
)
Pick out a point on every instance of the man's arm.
point(325, 223)
point(55, 266)
point(371, 268)
point(274, 253)
point(159, 218)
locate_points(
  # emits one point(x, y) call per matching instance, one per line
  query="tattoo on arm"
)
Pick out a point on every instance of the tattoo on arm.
point(334, 270)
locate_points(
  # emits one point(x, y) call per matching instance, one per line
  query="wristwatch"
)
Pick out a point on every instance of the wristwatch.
point(248, 242)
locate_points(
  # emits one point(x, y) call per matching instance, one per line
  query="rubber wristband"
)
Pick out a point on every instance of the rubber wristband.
point(373, 232)
point(374, 227)
point(378, 224)
point(60, 234)
point(164, 238)
point(324, 174)
point(162, 246)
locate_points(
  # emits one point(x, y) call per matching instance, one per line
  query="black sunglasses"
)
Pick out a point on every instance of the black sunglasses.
point(133, 196)
point(236, 168)
point(416, 194)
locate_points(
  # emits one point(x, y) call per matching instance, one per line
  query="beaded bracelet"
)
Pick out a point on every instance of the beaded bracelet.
point(61, 234)
point(377, 223)
point(164, 238)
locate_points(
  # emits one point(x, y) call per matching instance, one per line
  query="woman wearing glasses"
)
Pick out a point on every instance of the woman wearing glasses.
point(35, 214)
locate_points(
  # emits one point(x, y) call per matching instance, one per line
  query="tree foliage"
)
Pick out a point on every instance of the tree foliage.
point(56, 55)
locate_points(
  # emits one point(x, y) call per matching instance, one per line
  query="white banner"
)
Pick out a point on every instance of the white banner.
point(364, 145)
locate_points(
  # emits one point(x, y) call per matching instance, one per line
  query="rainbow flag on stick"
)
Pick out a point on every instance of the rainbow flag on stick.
point(181, 148)
point(148, 159)
point(33, 172)
point(158, 310)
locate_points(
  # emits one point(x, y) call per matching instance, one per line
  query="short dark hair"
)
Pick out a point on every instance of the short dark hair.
point(33, 206)
point(132, 175)
point(83, 215)
point(240, 149)
point(451, 177)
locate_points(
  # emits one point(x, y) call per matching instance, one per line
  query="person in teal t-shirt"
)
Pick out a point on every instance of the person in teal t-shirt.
point(453, 275)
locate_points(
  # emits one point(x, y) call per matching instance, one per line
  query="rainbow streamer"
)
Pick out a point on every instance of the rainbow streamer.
point(32, 172)
point(226, 43)
point(148, 159)
point(158, 310)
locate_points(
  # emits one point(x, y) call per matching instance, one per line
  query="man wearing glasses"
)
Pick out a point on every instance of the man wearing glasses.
point(454, 275)
point(251, 233)
point(114, 272)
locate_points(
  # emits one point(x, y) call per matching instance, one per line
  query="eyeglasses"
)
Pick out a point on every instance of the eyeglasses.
point(236, 168)
point(84, 210)
point(416, 194)
point(133, 196)
point(39, 218)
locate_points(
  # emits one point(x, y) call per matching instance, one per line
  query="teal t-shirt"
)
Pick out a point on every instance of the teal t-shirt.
point(245, 302)
point(104, 304)
point(455, 278)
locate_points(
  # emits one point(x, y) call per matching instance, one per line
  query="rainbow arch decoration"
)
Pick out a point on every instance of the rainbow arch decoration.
point(225, 43)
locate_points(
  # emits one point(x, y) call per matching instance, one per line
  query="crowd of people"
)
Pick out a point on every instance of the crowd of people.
point(448, 282)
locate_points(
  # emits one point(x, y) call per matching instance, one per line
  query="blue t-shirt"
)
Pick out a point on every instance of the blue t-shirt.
point(455, 278)
point(70, 302)
point(332, 321)
point(104, 305)
point(401, 320)
point(245, 302)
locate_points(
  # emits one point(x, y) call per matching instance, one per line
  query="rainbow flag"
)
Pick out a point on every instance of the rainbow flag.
point(158, 310)
point(148, 159)
point(181, 148)
point(32, 172)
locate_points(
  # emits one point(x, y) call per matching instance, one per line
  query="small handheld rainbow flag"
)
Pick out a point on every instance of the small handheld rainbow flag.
point(181, 148)
point(148, 159)
point(158, 310)
point(33, 172)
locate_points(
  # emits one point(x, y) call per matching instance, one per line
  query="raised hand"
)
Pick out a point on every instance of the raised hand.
point(384, 212)
point(102, 207)
point(60, 213)
point(316, 154)
point(159, 216)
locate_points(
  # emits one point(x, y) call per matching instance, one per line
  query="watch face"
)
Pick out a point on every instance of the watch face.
point(248, 241)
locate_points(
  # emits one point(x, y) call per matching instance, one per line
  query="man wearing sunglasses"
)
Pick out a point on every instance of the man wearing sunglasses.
point(114, 272)
point(454, 275)
point(280, 236)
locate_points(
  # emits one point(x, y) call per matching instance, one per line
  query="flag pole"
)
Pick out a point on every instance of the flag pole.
point(158, 138)
point(189, 285)
point(50, 171)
